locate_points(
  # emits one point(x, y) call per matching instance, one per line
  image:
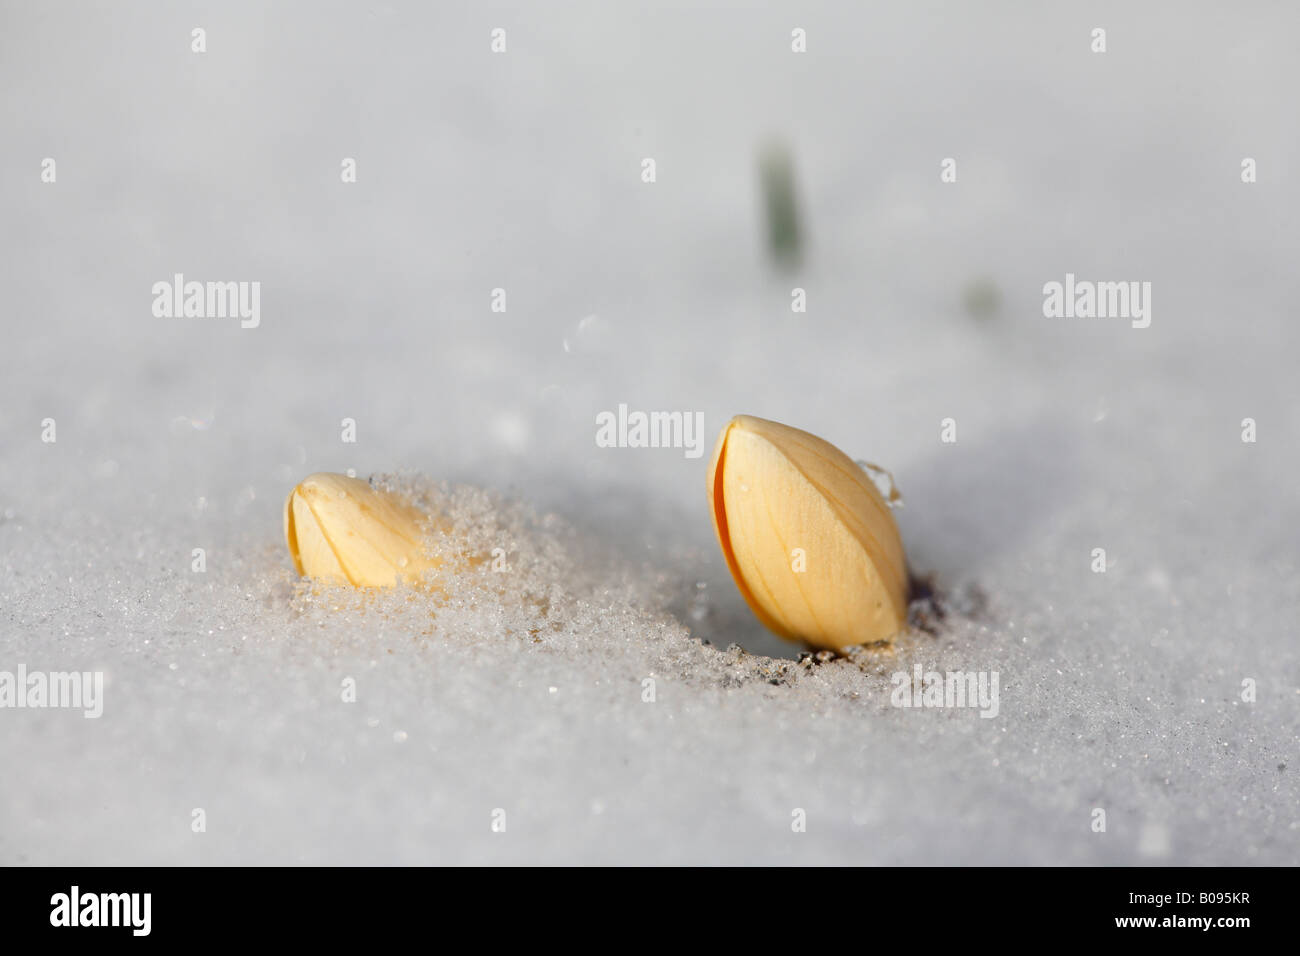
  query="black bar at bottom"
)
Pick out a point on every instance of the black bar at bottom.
point(333, 906)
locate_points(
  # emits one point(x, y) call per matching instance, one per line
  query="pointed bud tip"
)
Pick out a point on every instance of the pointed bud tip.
point(326, 483)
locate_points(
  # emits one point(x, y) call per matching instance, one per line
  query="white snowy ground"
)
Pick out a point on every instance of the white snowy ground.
point(1121, 691)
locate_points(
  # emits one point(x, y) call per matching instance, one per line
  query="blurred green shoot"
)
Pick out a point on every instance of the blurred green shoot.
point(781, 205)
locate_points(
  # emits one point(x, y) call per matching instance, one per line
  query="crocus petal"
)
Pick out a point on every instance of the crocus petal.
point(343, 531)
point(809, 539)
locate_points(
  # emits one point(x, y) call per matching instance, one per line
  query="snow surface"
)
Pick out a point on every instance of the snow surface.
point(1121, 691)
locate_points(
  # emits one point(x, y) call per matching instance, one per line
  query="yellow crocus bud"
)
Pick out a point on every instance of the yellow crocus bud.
point(808, 537)
point(342, 531)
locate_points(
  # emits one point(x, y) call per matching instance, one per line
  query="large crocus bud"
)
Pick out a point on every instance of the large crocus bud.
point(809, 538)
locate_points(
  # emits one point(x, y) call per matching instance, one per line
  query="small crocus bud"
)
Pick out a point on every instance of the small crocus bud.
point(342, 531)
point(809, 538)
